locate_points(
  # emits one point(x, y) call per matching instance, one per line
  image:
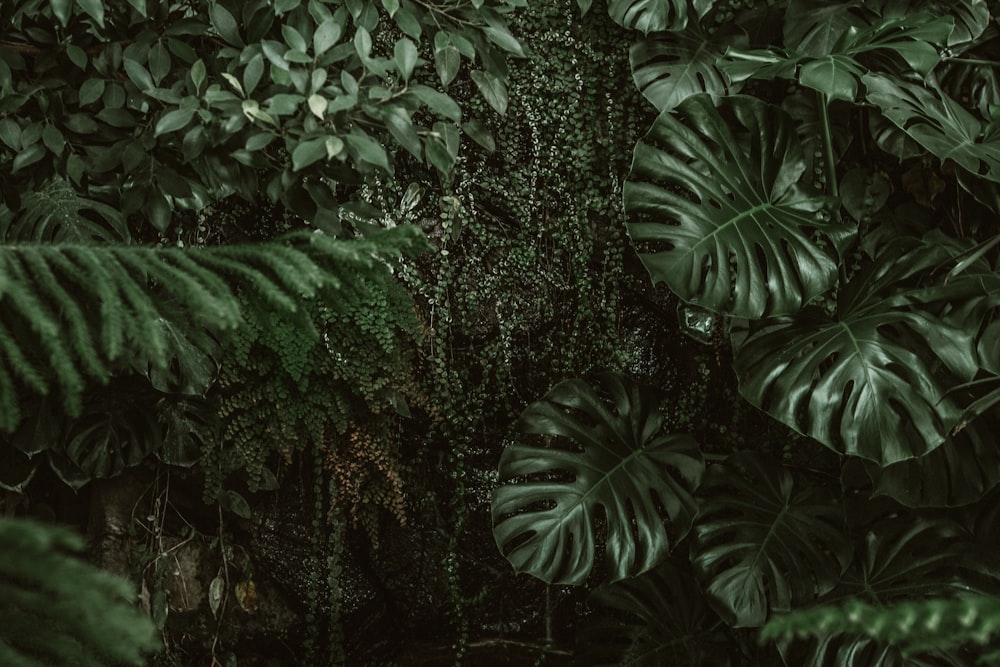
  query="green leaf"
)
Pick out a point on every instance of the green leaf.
point(368, 150)
point(62, 10)
point(317, 105)
point(139, 75)
point(879, 372)
point(611, 454)
point(670, 67)
point(10, 133)
point(95, 8)
point(308, 152)
point(501, 36)
point(902, 558)
point(492, 88)
point(363, 44)
point(723, 212)
point(446, 61)
point(77, 56)
point(225, 24)
point(53, 139)
point(834, 76)
point(107, 439)
point(764, 543)
point(658, 618)
point(813, 27)
point(60, 608)
point(406, 57)
point(480, 134)
point(159, 61)
point(173, 121)
point(939, 124)
point(29, 156)
point(398, 122)
point(437, 102)
point(294, 39)
point(326, 35)
point(656, 15)
point(91, 91)
point(961, 471)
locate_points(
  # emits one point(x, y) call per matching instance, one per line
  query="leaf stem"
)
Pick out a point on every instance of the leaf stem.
point(828, 156)
point(973, 61)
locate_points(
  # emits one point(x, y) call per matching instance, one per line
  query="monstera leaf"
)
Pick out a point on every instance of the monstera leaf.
point(668, 623)
point(670, 67)
point(938, 123)
point(608, 455)
point(656, 15)
point(764, 543)
point(718, 212)
point(903, 559)
point(874, 380)
point(959, 472)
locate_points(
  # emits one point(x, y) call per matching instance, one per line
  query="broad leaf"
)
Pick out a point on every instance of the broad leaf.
point(656, 15)
point(813, 27)
point(107, 439)
point(971, 17)
point(764, 543)
point(959, 472)
point(669, 68)
point(874, 380)
point(938, 123)
point(720, 212)
point(902, 559)
point(668, 623)
point(608, 455)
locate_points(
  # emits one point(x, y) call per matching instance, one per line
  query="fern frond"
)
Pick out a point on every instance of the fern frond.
point(925, 625)
point(68, 311)
point(55, 609)
point(78, 326)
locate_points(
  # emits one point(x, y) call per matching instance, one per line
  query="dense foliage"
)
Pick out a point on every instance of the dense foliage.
point(308, 260)
point(837, 213)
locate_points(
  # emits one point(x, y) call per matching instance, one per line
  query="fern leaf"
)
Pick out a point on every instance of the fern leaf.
point(78, 327)
point(111, 309)
point(96, 310)
point(20, 290)
point(57, 610)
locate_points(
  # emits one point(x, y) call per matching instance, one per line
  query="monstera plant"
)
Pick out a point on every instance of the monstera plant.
point(604, 455)
point(838, 218)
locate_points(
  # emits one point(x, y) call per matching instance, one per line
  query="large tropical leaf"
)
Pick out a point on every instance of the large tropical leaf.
point(873, 380)
point(903, 558)
point(959, 472)
point(813, 27)
point(837, 70)
point(608, 454)
point(670, 67)
point(971, 17)
point(668, 623)
point(764, 543)
point(656, 15)
point(719, 210)
point(938, 123)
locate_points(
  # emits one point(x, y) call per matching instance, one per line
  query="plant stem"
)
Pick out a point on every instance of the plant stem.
point(828, 156)
point(973, 61)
